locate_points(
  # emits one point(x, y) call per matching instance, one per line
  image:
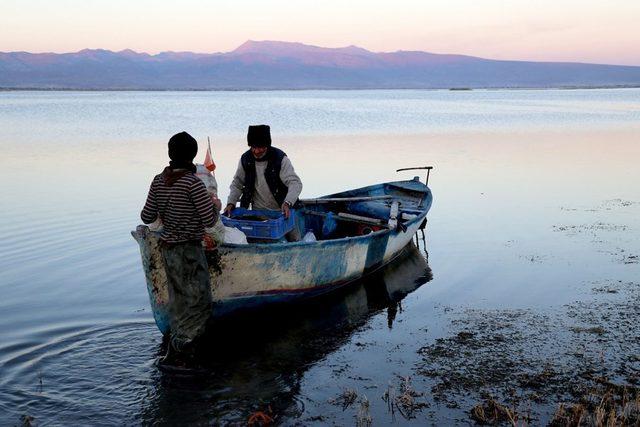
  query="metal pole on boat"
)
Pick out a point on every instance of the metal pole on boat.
point(428, 168)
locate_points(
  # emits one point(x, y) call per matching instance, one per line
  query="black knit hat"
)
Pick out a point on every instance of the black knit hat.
point(259, 136)
point(182, 147)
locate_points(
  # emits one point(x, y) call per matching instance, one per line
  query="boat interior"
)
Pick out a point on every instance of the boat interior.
point(353, 213)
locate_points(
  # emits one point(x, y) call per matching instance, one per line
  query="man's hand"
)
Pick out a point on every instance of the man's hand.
point(285, 210)
point(229, 209)
point(216, 202)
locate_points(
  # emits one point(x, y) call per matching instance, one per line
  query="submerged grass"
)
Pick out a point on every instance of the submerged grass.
point(406, 402)
point(492, 413)
point(607, 404)
point(364, 418)
point(345, 399)
point(350, 396)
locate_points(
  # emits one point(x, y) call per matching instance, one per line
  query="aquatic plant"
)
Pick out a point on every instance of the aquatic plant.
point(364, 418)
point(492, 412)
point(607, 404)
point(345, 399)
point(405, 402)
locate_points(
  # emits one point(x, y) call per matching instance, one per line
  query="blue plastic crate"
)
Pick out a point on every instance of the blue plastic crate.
point(273, 228)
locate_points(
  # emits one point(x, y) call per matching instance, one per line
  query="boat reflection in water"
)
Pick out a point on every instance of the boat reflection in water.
point(259, 361)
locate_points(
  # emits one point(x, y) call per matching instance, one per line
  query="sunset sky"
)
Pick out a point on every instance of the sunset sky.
point(597, 31)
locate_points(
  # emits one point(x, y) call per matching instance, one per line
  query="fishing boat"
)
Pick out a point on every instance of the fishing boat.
point(356, 232)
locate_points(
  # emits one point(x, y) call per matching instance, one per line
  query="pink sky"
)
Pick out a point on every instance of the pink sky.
point(596, 31)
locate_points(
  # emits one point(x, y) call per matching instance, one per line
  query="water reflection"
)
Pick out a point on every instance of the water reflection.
point(258, 362)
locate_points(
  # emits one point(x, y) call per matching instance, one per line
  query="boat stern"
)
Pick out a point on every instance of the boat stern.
point(155, 275)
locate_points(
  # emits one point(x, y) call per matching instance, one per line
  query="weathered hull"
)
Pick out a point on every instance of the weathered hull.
point(249, 276)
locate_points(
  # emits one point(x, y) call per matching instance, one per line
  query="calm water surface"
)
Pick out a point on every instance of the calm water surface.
point(536, 198)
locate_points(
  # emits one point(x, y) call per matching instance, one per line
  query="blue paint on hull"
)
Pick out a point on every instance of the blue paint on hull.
point(376, 250)
point(247, 303)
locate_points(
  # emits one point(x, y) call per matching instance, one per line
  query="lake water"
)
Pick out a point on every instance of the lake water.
point(536, 211)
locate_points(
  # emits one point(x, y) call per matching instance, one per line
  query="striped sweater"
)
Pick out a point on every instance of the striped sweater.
point(183, 205)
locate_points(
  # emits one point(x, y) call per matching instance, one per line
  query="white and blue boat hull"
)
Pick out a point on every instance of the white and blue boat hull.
point(255, 275)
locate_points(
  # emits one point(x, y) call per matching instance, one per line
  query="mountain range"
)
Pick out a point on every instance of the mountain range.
point(286, 65)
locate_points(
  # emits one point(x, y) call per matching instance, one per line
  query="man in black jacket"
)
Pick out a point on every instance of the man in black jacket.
point(265, 178)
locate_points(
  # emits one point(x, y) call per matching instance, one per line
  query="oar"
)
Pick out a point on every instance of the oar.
point(343, 216)
point(343, 199)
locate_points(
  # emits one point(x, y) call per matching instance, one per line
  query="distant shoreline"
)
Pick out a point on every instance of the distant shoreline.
point(452, 89)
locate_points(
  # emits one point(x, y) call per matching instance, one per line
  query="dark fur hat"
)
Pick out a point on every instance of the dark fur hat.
point(259, 136)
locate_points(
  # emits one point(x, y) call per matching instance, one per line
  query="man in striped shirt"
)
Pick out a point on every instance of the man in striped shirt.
point(179, 198)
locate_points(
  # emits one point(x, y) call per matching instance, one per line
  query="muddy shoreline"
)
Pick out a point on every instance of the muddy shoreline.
point(524, 366)
point(576, 363)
